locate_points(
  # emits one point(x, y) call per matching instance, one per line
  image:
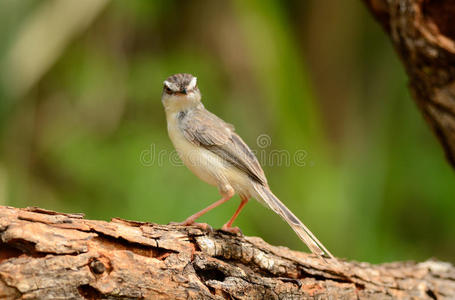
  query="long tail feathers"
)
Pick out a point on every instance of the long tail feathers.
point(302, 231)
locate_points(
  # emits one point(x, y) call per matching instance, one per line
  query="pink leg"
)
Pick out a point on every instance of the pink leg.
point(190, 220)
point(228, 226)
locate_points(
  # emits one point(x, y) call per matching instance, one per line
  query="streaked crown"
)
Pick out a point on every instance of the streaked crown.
point(182, 83)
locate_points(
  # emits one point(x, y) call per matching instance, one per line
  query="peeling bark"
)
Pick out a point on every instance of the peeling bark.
point(49, 255)
point(423, 34)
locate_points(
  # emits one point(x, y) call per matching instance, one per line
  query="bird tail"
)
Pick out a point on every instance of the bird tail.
point(302, 231)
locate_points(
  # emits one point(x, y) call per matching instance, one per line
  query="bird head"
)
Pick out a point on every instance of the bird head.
point(180, 91)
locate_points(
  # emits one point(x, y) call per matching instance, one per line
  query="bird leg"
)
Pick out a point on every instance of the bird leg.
point(190, 220)
point(228, 226)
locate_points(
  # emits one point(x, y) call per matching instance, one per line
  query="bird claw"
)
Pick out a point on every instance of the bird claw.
point(203, 226)
point(233, 230)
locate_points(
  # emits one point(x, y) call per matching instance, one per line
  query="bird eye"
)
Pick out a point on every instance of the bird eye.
point(167, 89)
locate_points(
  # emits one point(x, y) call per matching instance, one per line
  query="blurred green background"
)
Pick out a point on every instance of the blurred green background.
point(81, 121)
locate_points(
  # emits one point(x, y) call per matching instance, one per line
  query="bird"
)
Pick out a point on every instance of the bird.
point(216, 154)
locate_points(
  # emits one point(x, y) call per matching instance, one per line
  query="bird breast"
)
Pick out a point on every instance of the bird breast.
point(205, 164)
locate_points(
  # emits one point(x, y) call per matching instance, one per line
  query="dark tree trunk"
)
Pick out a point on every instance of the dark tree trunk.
point(423, 33)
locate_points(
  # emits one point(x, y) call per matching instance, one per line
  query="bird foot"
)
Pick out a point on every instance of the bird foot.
point(203, 226)
point(234, 230)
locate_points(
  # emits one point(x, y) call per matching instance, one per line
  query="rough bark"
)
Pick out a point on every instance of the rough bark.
point(50, 255)
point(423, 33)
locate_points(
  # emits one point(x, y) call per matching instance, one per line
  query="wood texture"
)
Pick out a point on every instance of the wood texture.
point(423, 33)
point(49, 255)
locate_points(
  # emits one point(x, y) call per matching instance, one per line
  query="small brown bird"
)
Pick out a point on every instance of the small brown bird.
point(211, 149)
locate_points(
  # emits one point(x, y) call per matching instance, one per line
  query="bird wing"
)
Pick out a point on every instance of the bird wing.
point(202, 128)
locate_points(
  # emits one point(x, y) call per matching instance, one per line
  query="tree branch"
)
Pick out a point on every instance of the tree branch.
point(44, 255)
point(423, 34)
